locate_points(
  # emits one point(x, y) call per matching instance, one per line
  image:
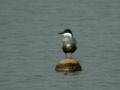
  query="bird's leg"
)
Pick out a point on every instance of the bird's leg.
point(65, 55)
point(71, 56)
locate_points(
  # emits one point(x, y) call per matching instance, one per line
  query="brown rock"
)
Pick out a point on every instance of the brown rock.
point(68, 65)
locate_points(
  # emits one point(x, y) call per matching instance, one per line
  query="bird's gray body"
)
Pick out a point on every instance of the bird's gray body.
point(69, 44)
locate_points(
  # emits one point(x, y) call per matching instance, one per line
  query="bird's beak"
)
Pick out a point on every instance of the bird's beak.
point(60, 32)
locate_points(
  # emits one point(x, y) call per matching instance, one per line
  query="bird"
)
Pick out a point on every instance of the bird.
point(68, 42)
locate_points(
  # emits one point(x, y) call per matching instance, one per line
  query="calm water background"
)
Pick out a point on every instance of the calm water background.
point(30, 47)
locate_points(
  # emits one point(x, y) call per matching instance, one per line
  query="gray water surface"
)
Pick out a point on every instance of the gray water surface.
point(30, 47)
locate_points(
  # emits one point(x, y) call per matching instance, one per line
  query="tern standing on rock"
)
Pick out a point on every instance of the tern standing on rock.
point(69, 43)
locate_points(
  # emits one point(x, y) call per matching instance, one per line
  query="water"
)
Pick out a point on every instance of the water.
point(31, 47)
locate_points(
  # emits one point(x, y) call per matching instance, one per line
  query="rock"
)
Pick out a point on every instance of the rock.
point(68, 65)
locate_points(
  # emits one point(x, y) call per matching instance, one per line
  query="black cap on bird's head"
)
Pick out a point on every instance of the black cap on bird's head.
point(66, 31)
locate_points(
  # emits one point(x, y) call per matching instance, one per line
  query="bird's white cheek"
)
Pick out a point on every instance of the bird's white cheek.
point(67, 34)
